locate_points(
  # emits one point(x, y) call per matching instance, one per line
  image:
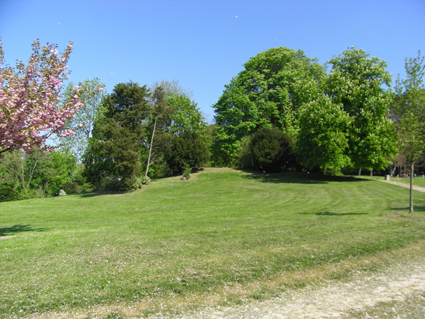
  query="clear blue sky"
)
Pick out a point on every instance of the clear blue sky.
point(202, 43)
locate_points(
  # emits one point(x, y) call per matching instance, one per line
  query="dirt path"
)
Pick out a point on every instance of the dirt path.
point(335, 300)
point(405, 185)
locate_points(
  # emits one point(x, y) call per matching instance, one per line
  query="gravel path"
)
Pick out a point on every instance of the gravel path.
point(405, 185)
point(332, 301)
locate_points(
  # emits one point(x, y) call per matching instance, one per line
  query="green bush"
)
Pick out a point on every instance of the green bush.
point(8, 194)
point(188, 149)
point(72, 188)
point(272, 150)
point(87, 188)
point(145, 180)
point(187, 170)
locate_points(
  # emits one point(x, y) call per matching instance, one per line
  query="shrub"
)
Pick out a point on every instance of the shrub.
point(8, 194)
point(188, 149)
point(187, 170)
point(71, 188)
point(272, 150)
point(87, 188)
point(145, 180)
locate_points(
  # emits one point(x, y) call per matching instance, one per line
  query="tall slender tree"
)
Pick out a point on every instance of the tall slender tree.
point(409, 114)
point(159, 111)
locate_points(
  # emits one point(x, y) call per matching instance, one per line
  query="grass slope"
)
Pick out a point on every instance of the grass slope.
point(178, 238)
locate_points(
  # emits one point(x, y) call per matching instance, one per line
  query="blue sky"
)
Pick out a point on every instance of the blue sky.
point(203, 44)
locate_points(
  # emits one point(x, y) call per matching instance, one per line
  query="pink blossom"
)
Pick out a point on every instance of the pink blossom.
point(30, 96)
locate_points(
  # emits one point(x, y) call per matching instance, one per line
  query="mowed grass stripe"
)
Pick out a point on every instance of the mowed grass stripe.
point(181, 237)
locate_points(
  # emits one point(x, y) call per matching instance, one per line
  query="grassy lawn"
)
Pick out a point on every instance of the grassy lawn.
point(223, 233)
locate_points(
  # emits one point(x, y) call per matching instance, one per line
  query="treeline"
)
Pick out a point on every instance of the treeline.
point(284, 111)
point(121, 140)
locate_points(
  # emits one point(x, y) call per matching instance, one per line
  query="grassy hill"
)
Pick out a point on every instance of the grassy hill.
point(221, 237)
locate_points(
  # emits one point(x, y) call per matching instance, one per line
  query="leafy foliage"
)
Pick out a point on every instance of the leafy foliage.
point(409, 114)
point(272, 150)
point(118, 137)
point(323, 141)
point(188, 149)
point(357, 84)
point(38, 173)
point(7, 193)
point(267, 93)
point(180, 115)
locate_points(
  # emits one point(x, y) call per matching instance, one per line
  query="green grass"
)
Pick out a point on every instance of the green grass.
point(175, 239)
point(417, 181)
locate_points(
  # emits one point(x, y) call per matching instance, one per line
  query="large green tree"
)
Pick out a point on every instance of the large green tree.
point(357, 85)
point(119, 136)
point(409, 114)
point(323, 139)
point(269, 92)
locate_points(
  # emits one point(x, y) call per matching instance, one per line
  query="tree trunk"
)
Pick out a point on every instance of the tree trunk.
point(412, 169)
point(371, 172)
point(150, 148)
point(360, 171)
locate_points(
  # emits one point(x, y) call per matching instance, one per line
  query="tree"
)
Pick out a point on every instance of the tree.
point(29, 98)
point(409, 114)
point(323, 138)
point(267, 93)
point(119, 136)
point(159, 111)
point(178, 116)
point(356, 86)
point(185, 115)
point(38, 170)
point(82, 122)
point(52, 174)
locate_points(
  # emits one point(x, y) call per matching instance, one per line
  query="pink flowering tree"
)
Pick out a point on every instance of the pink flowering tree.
point(30, 98)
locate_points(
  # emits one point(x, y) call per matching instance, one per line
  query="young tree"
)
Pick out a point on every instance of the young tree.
point(159, 111)
point(409, 114)
point(30, 111)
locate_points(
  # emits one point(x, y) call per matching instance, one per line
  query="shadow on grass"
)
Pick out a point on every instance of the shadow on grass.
point(101, 193)
point(5, 231)
point(415, 208)
point(299, 178)
point(332, 214)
